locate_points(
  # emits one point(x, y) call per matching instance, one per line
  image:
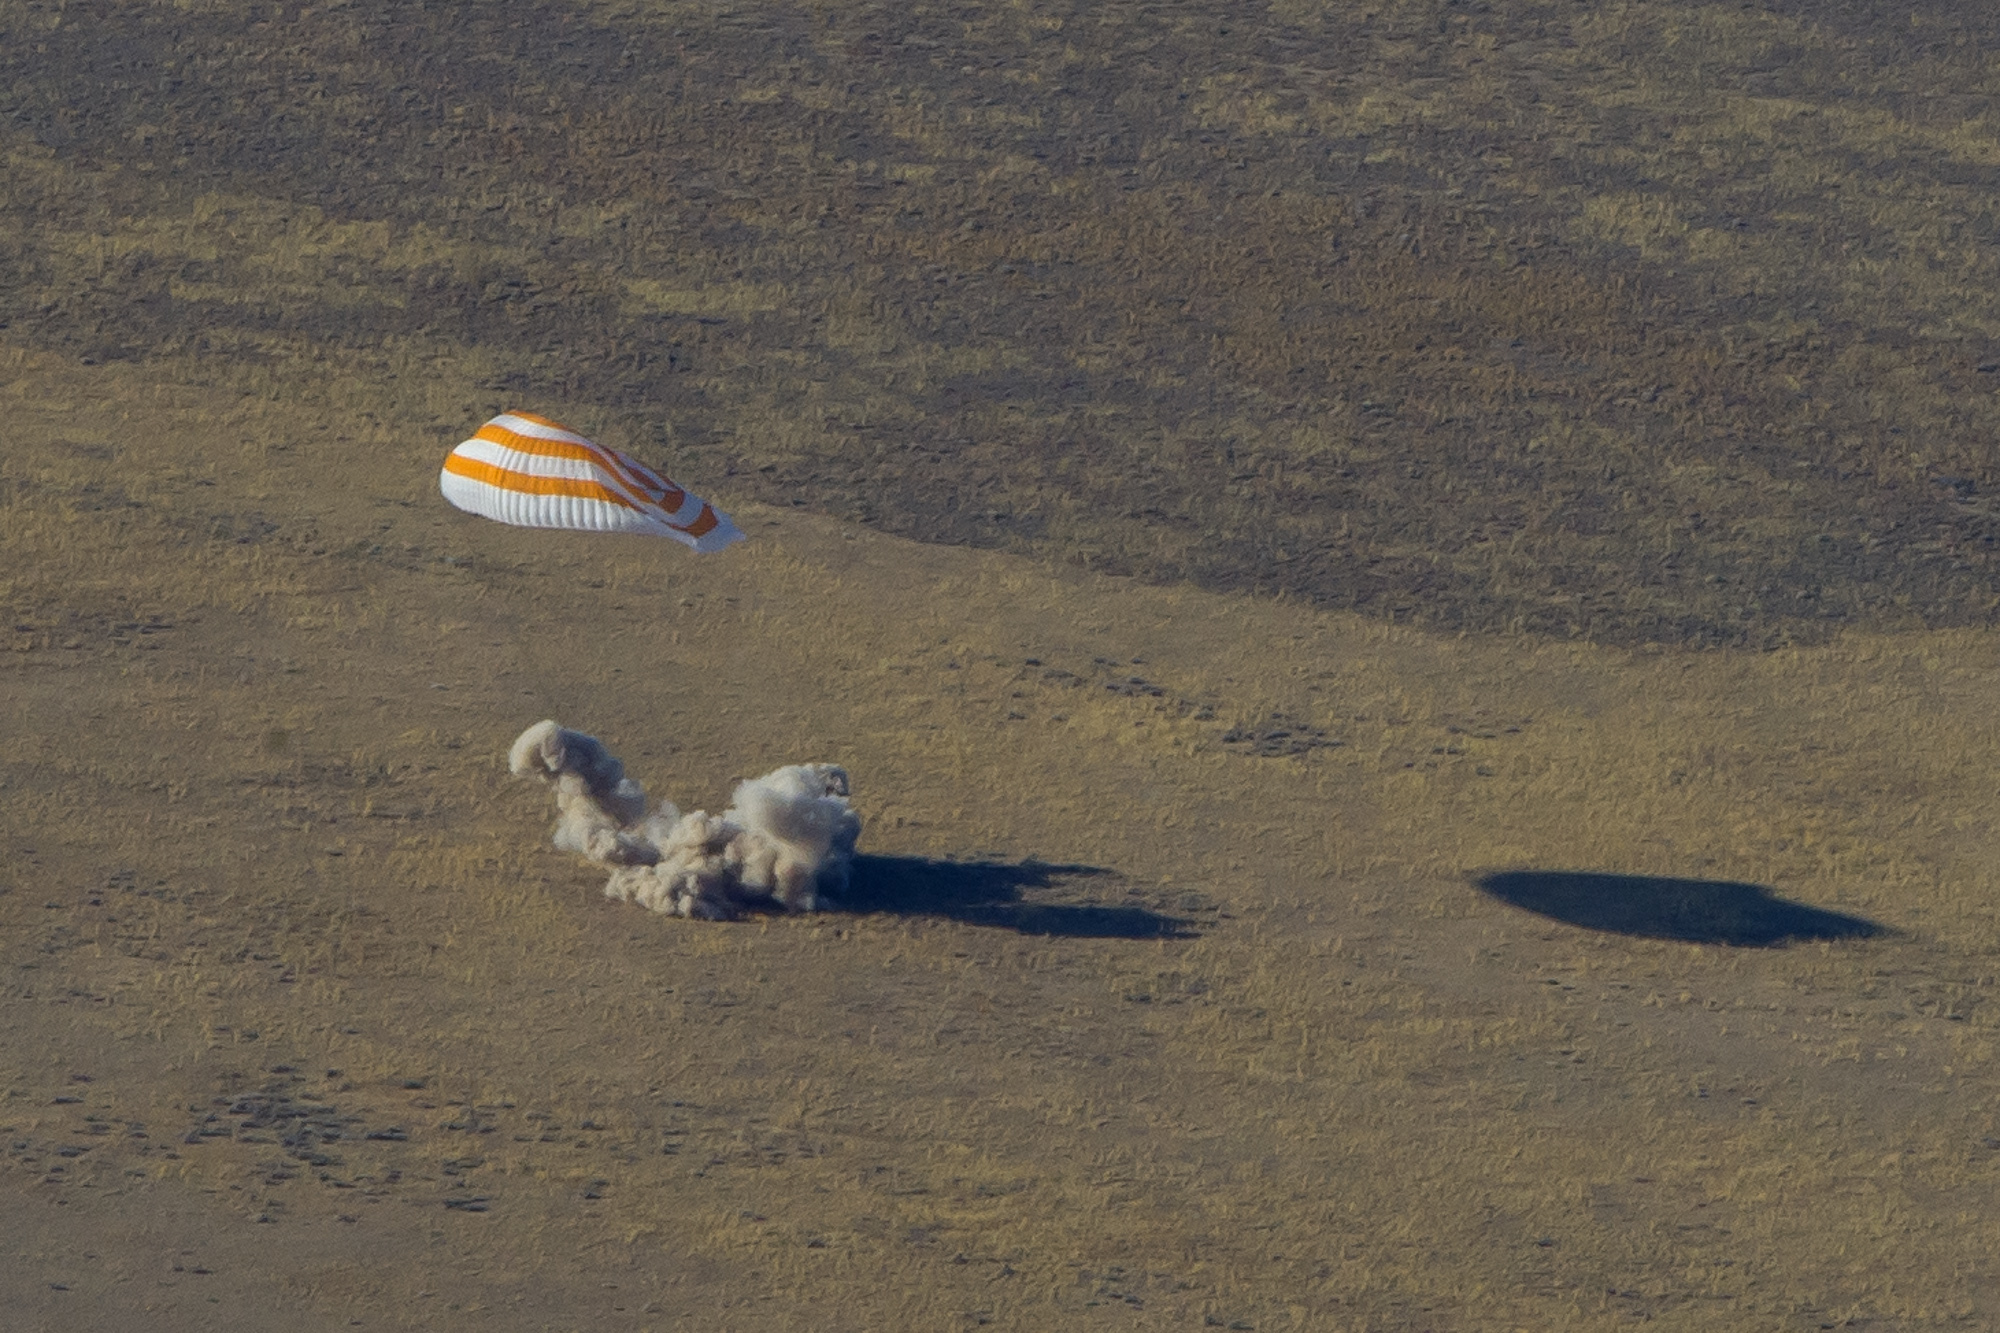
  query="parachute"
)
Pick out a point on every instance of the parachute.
point(528, 471)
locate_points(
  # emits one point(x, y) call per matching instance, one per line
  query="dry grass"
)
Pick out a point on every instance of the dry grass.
point(1170, 999)
point(270, 839)
point(1667, 322)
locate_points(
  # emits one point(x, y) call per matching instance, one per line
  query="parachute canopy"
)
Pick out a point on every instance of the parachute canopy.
point(528, 471)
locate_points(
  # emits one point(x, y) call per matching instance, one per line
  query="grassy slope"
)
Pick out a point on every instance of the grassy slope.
point(270, 839)
point(1649, 324)
point(1668, 322)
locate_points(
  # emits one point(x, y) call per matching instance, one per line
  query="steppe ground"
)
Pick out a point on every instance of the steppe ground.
point(1225, 484)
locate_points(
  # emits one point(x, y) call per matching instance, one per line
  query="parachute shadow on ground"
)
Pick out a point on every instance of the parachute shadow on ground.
point(989, 893)
point(1700, 911)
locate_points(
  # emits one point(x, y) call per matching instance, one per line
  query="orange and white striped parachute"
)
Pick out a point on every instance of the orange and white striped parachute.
point(528, 471)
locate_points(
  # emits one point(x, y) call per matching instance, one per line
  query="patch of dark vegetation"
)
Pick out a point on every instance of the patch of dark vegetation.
point(1458, 316)
point(69, 630)
point(1278, 736)
point(1700, 911)
point(1134, 687)
point(304, 1129)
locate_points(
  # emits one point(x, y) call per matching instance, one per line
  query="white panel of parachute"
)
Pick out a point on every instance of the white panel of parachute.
point(528, 471)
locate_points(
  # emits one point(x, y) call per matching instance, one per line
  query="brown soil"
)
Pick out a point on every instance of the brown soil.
point(1667, 324)
point(1225, 954)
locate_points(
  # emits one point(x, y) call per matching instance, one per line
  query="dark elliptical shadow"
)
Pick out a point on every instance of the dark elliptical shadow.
point(1700, 911)
point(988, 893)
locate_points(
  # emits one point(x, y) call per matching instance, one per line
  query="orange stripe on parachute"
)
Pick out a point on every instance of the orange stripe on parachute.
point(493, 475)
point(648, 482)
point(501, 479)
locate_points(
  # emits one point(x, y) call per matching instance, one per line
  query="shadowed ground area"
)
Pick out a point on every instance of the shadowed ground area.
point(1584, 331)
point(1157, 1008)
point(1699, 911)
point(1668, 322)
point(988, 893)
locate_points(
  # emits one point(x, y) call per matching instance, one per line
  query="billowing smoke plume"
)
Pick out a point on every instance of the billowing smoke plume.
point(786, 840)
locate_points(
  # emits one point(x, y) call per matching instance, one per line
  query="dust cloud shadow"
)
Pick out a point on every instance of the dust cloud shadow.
point(988, 893)
point(1699, 911)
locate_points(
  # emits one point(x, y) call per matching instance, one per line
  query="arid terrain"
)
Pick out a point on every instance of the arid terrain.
point(1409, 591)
